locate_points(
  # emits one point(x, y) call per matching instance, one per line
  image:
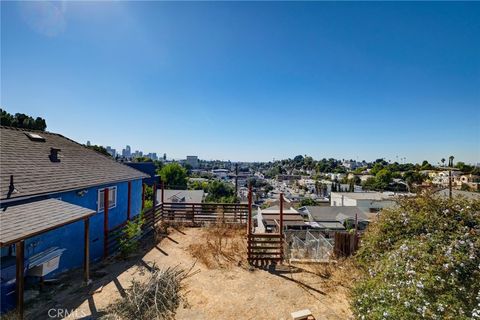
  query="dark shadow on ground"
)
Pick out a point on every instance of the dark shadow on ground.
point(70, 291)
point(283, 271)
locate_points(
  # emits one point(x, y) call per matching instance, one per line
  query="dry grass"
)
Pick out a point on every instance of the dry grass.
point(221, 246)
point(334, 275)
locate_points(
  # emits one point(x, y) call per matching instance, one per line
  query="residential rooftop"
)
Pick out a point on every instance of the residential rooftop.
point(37, 163)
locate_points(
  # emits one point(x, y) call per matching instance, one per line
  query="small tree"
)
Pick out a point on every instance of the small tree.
point(130, 235)
point(174, 176)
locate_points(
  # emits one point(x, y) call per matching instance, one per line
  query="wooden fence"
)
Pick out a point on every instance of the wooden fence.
point(199, 213)
point(346, 243)
point(265, 248)
point(194, 213)
point(150, 216)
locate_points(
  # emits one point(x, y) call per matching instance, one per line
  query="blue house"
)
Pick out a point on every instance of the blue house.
point(56, 188)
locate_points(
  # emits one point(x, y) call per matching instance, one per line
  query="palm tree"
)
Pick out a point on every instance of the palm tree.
point(450, 161)
point(443, 162)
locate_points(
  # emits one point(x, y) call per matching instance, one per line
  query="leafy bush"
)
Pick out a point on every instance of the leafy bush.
point(220, 192)
point(421, 259)
point(130, 236)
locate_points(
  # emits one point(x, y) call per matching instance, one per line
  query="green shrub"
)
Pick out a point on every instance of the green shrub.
point(130, 236)
point(421, 260)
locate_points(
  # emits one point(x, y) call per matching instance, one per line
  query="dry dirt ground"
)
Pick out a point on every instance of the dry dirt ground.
point(234, 292)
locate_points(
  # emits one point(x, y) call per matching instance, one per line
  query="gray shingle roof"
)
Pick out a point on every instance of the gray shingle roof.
point(26, 220)
point(323, 213)
point(34, 173)
point(185, 196)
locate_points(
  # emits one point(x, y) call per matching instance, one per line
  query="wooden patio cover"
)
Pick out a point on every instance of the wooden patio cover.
point(20, 222)
point(27, 220)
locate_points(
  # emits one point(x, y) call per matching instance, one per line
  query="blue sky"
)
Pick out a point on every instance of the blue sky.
point(250, 80)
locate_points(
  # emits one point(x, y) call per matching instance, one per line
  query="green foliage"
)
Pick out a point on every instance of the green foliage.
point(174, 176)
point(308, 202)
point(464, 167)
point(220, 192)
point(130, 235)
point(376, 168)
point(426, 165)
point(421, 260)
point(142, 159)
point(412, 177)
point(99, 149)
point(359, 170)
point(20, 120)
point(197, 185)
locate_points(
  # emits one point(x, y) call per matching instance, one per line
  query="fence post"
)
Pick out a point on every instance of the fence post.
point(154, 201)
point(249, 222)
point(193, 213)
point(281, 226)
point(162, 193)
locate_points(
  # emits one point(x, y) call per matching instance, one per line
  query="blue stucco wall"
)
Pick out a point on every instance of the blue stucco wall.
point(70, 237)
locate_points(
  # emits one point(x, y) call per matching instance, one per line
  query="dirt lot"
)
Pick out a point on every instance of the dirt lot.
point(233, 291)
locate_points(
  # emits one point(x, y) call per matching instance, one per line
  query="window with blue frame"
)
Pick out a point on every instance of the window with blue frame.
point(112, 198)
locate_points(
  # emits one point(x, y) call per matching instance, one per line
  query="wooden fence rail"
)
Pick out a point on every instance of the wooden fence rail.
point(199, 213)
point(265, 247)
point(345, 244)
point(196, 213)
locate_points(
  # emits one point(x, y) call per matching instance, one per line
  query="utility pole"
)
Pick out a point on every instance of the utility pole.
point(236, 179)
point(450, 165)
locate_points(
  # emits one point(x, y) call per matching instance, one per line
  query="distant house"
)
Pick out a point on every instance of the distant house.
point(368, 201)
point(336, 218)
point(288, 178)
point(268, 219)
point(220, 173)
point(471, 180)
point(180, 196)
point(48, 174)
point(441, 178)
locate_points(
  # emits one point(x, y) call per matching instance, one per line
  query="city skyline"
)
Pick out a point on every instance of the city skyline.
point(250, 81)
point(399, 159)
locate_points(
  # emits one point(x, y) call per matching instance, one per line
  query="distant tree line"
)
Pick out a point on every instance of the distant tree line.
point(99, 149)
point(21, 120)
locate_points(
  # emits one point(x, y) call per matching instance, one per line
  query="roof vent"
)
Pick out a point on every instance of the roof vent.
point(54, 157)
point(35, 136)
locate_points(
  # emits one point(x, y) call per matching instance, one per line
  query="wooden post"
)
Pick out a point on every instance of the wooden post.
point(249, 222)
point(154, 200)
point(163, 194)
point(143, 196)
point(20, 248)
point(281, 214)
point(281, 227)
point(86, 252)
point(129, 205)
point(356, 222)
point(193, 213)
point(154, 195)
point(450, 183)
point(105, 222)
